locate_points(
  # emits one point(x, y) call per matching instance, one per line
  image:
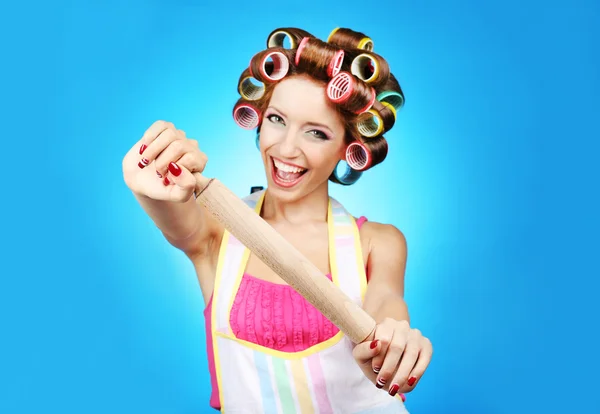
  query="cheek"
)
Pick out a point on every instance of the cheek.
point(268, 136)
point(321, 157)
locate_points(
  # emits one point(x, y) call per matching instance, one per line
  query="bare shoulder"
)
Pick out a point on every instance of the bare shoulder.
point(383, 239)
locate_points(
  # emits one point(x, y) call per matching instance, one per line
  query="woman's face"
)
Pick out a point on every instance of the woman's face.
point(301, 138)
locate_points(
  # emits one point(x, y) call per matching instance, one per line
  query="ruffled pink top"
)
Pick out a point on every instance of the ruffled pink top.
point(271, 315)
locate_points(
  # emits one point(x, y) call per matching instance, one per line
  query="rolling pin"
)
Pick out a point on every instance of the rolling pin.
point(284, 259)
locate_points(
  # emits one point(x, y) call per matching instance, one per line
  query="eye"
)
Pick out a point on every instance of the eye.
point(318, 134)
point(276, 119)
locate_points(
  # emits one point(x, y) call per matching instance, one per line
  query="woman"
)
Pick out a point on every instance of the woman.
point(316, 105)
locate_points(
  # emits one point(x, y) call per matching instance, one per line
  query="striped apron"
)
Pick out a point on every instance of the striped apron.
point(322, 379)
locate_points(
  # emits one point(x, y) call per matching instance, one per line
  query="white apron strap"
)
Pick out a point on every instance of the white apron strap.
point(231, 256)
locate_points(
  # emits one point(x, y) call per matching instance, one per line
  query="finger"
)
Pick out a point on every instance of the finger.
point(151, 133)
point(154, 131)
point(157, 145)
point(172, 153)
point(393, 355)
point(407, 362)
point(364, 352)
point(194, 161)
point(419, 369)
point(181, 182)
point(384, 332)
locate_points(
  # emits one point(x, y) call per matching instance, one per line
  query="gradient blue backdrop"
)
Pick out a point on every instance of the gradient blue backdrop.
point(492, 176)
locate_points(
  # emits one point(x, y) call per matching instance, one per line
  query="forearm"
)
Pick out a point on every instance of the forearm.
point(177, 221)
point(388, 305)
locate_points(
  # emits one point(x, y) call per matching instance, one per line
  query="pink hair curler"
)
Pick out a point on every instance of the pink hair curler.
point(246, 116)
point(369, 104)
point(278, 66)
point(340, 87)
point(358, 156)
point(336, 64)
point(301, 47)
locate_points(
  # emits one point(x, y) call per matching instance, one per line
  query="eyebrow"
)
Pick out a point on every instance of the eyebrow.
point(309, 123)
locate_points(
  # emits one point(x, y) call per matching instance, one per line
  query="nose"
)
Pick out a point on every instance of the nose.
point(288, 147)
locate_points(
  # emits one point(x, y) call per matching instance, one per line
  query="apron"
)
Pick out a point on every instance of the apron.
point(324, 378)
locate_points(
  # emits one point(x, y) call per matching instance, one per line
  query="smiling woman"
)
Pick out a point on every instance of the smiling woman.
point(315, 106)
point(345, 83)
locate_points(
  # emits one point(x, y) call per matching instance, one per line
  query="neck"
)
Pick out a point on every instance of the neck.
point(310, 208)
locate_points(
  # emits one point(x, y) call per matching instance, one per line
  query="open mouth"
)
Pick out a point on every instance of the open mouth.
point(286, 175)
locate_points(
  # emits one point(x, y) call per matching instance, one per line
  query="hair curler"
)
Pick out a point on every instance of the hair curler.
point(358, 156)
point(246, 115)
point(392, 97)
point(269, 71)
point(343, 86)
point(370, 124)
point(348, 176)
point(335, 57)
point(349, 39)
point(370, 68)
point(250, 90)
point(278, 36)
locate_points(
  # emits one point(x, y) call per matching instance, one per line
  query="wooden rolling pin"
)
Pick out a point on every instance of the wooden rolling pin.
point(285, 260)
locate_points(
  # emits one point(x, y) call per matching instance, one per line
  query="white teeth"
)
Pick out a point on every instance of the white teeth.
point(287, 168)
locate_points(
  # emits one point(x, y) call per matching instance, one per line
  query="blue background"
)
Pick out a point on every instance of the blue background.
point(492, 176)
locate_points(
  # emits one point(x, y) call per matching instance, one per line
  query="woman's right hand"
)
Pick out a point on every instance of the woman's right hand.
point(161, 164)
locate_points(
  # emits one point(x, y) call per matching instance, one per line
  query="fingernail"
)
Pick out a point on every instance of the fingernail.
point(174, 169)
point(159, 175)
point(376, 369)
point(143, 148)
point(374, 344)
point(411, 381)
point(394, 389)
point(380, 383)
point(143, 163)
point(166, 181)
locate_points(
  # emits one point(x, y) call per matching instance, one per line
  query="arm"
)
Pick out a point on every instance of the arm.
point(167, 152)
point(187, 226)
point(400, 353)
point(386, 265)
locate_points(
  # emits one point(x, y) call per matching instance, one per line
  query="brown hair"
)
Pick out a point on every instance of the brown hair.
point(359, 81)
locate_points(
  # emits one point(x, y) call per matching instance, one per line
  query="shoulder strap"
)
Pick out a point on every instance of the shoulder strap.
point(347, 254)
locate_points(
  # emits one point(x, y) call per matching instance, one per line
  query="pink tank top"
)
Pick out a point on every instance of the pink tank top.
point(271, 315)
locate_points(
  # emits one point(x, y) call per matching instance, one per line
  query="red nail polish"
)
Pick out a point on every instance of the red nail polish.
point(143, 148)
point(174, 169)
point(394, 389)
point(374, 344)
point(141, 165)
point(159, 175)
point(380, 383)
point(376, 369)
point(166, 181)
point(411, 381)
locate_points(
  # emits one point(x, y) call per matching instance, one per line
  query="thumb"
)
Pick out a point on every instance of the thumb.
point(181, 182)
point(364, 352)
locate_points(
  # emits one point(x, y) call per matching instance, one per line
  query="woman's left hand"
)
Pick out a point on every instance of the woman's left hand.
point(396, 358)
